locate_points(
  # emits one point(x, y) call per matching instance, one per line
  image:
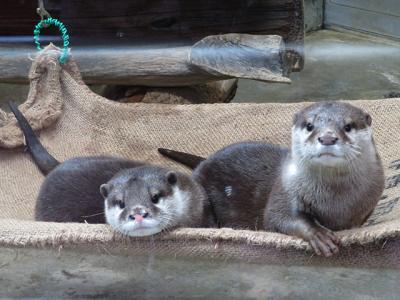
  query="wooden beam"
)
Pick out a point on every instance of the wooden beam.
point(213, 58)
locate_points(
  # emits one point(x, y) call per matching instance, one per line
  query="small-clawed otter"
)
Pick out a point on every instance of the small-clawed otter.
point(331, 179)
point(135, 198)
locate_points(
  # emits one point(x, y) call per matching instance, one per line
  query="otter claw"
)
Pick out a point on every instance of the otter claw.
point(325, 243)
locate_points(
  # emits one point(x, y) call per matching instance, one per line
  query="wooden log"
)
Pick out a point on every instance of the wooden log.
point(155, 21)
point(214, 58)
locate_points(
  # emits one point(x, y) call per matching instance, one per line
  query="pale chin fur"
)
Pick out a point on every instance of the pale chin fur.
point(331, 156)
point(132, 229)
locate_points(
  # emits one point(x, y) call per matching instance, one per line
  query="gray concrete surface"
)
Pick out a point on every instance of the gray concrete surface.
point(50, 274)
point(313, 14)
point(338, 65)
point(377, 17)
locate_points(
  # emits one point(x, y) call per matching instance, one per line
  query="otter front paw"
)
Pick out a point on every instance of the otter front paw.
point(324, 242)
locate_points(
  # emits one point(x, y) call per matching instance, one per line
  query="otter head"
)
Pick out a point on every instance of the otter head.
point(144, 201)
point(332, 134)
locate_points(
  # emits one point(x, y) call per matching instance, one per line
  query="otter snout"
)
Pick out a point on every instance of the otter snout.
point(327, 140)
point(138, 214)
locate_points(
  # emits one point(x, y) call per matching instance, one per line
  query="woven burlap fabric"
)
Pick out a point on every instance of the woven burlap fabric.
point(73, 121)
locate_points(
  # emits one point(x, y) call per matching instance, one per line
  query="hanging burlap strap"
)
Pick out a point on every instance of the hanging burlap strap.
point(72, 120)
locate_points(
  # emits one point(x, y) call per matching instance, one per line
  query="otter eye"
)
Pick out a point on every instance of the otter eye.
point(309, 127)
point(120, 203)
point(155, 198)
point(347, 127)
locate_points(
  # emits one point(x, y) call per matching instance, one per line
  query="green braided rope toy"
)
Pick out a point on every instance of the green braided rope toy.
point(64, 35)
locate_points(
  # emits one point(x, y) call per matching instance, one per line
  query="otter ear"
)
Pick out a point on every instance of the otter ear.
point(104, 190)
point(368, 119)
point(171, 177)
point(298, 119)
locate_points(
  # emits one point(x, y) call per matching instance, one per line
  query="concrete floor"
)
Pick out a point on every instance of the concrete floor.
point(49, 274)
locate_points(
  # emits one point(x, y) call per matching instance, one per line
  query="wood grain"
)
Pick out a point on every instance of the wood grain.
point(213, 58)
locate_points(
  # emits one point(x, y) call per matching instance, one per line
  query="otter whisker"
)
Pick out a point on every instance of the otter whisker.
point(358, 152)
point(353, 145)
point(167, 230)
point(98, 214)
point(167, 221)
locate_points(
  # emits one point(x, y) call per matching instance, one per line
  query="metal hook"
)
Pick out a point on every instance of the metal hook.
point(42, 12)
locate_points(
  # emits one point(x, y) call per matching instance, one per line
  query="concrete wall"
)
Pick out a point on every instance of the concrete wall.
point(313, 14)
point(370, 16)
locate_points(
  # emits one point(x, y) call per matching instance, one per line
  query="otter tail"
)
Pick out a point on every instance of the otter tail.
point(42, 158)
point(189, 160)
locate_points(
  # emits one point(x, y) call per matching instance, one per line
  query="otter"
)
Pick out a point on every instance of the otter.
point(135, 198)
point(331, 179)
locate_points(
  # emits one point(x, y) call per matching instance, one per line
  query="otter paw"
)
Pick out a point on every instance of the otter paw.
point(324, 242)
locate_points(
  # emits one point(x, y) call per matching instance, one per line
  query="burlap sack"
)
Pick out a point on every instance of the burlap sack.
point(73, 121)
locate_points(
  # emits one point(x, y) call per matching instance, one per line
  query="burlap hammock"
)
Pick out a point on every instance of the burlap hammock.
point(73, 121)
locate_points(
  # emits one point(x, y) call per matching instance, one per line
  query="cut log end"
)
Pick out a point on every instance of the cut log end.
point(259, 57)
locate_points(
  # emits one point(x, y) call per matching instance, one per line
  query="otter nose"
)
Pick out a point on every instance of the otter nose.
point(327, 140)
point(138, 216)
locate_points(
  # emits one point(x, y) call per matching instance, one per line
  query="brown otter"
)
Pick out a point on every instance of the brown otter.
point(331, 179)
point(135, 198)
